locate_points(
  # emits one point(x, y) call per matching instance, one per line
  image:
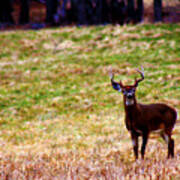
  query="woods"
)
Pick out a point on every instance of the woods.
point(90, 12)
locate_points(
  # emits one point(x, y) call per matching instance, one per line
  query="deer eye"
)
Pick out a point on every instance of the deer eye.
point(124, 92)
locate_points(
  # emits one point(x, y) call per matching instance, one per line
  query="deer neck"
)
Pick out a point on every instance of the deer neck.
point(130, 105)
point(131, 112)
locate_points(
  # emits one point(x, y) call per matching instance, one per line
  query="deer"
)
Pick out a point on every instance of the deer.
point(143, 119)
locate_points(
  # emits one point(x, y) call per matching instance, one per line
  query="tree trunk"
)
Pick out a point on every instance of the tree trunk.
point(51, 10)
point(157, 10)
point(140, 10)
point(24, 12)
point(131, 11)
point(5, 12)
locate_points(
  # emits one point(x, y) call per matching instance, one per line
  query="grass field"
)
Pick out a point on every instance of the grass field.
point(60, 117)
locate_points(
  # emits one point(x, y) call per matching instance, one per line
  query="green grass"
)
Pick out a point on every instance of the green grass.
point(56, 96)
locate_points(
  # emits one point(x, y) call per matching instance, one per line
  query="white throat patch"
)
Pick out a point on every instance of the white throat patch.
point(129, 102)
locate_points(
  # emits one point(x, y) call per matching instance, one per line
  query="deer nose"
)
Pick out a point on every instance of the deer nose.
point(129, 95)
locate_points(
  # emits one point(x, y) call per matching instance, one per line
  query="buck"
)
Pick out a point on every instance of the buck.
point(142, 119)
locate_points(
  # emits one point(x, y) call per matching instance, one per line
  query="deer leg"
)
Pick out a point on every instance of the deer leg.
point(170, 142)
point(144, 142)
point(171, 148)
point(134, 138)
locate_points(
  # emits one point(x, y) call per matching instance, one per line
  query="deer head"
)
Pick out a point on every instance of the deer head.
point(128, 90)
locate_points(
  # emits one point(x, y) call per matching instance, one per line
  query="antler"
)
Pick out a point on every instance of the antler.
point(111, 75)
point(142, 76)
point(117, 86)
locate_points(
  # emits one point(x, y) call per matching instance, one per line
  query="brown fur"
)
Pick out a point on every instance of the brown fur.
point(141, 119)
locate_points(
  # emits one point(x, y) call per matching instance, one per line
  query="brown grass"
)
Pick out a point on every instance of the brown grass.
point(97, 163)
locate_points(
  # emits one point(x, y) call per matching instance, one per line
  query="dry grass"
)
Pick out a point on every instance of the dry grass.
point(110, 163)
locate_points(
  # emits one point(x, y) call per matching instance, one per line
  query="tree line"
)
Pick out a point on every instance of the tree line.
point(82, 12)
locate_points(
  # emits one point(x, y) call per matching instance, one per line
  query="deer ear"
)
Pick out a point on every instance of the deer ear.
point(116, 86)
